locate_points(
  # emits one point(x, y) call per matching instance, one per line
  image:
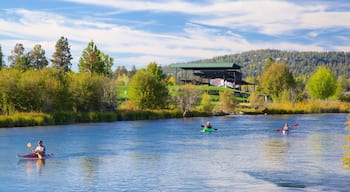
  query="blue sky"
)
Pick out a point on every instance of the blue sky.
point(137, 32)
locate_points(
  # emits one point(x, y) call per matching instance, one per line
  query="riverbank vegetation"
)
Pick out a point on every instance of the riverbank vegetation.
point(32, 93)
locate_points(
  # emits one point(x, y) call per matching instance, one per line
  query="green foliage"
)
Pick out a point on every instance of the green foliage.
point(36, 58)
point(26, 119)
point(148, 89)
point(120, 71)
point(275, 79)
point(17, 59)
point(322, 84)
point(88, 91)
point(206, 104)
point(299, 63)
point(2, 63)
point(256, 100)
point(124, 115)
point(227, 101)
point(156, 71)
point(61, 58)
point(95, 61)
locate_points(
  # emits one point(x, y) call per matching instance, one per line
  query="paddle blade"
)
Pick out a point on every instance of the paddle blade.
point(202, 125)
point(29, 145)
point(278, 130)
point(296, 124)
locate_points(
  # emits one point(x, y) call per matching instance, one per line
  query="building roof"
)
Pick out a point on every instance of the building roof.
point(201, 66)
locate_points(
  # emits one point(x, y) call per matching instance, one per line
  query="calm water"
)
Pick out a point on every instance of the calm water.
point(245, 154)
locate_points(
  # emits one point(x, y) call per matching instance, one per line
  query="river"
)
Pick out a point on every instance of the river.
point(246, 153)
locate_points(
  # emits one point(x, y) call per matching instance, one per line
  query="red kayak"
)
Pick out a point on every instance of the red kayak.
point(34, 156)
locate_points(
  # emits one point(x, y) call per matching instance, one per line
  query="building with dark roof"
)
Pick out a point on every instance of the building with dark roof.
point(229, 73)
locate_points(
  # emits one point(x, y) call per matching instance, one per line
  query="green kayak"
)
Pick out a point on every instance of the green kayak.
point(206, 129)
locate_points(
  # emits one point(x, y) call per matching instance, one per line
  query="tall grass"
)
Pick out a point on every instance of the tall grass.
point(308, 106)
point(26, 119)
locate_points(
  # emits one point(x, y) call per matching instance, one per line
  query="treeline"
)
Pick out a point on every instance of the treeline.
point(32, 82)
point(299, 63)
point(48, 90)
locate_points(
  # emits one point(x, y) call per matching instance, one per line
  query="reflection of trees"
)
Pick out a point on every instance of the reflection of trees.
point(346, 158)
point(275, 151)
point(89, 165)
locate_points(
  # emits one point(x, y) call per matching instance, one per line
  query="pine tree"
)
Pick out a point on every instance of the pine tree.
point(61, 58)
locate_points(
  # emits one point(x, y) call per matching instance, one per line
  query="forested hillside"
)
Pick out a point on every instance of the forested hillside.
point(299, 63)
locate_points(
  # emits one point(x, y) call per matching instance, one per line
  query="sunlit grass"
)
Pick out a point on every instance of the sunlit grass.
point(26, 119)
point(309, 106)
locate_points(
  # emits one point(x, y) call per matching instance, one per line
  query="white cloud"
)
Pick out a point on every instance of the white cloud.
point(268, 17)
point(213, 29)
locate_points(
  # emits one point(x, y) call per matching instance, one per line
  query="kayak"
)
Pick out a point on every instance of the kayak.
point(34, 156)
point(207, 130)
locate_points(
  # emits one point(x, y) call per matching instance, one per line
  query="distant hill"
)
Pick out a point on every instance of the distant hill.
point(299, 63)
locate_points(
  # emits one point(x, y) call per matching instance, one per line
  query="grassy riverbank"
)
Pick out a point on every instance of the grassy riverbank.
point(58, 118)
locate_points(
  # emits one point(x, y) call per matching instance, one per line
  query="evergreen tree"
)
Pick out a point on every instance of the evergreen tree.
point(94, 61)
point(2, 63)
point(37, 58)
point(17, 59)
point(61, 58)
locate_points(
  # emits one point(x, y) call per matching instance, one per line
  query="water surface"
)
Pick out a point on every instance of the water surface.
point(245, 154)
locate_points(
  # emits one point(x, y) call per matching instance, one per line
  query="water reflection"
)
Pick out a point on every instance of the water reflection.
point(32, 164)
point(346, 159)
point(275, 152)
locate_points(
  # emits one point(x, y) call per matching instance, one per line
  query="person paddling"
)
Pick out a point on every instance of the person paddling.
point(208, 125)
point(39, 150)
point(285, 128)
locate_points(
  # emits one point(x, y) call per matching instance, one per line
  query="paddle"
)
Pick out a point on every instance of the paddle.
point(295, 125)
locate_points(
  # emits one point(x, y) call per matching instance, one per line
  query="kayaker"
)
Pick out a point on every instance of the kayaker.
point(208, 125)
point(286, 127)
point(40, 149)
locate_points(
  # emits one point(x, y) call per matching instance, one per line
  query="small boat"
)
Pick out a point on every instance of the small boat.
point(35, 156)
point(206, 129)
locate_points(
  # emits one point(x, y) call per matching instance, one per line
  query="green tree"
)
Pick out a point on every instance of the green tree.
point(156, 70)
point(322, 84)
point(87, 91)
point(275, 79)
point(120, 71)
point(18, 59)
point(268, 62)
point(147, 92)
point(57, 96)
point(94, 61)
point(227, 101)
point(8, 90)
point(206, 104)
point(30, 91)
point(2, 63)
point(61, 58)
point(132, 71)
point(36, 58)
